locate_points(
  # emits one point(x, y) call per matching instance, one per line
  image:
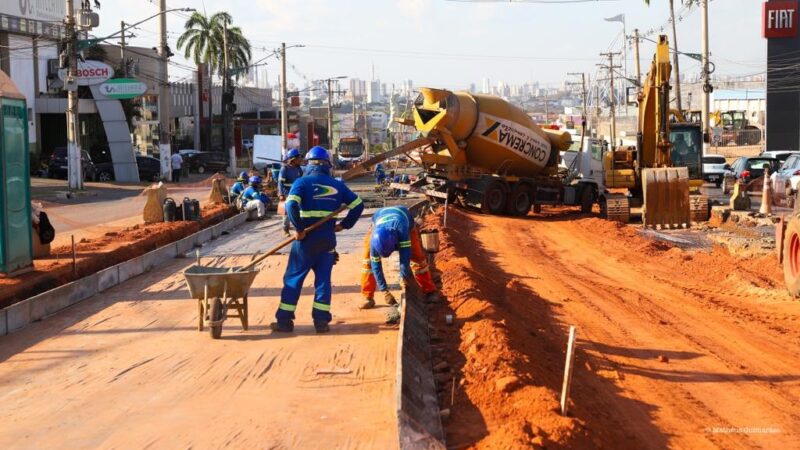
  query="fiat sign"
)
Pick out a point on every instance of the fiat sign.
point(779, 19)
point(90, 72)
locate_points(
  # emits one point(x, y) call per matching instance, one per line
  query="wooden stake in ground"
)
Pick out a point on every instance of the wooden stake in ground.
point(74, 266)
point(568, 371)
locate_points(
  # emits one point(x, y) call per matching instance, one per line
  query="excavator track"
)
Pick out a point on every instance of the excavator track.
point(698, 208)
point(617, 208)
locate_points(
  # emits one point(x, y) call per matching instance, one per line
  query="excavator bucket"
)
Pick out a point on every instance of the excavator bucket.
point(666, 197)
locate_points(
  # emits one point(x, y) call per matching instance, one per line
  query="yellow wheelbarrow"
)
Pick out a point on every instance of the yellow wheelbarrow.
point(219, 290)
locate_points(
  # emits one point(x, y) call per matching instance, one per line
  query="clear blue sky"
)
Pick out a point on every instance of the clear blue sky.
point(451, 44)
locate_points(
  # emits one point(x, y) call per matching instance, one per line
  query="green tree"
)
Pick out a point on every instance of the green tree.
point(203, 41)
point(675, 47)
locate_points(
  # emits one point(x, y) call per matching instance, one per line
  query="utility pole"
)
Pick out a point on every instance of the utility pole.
point(366, 128)
point(546, 110)
point(585, 104)
point(613, 95)
point(122, 49)
point(705, 73)
point(355, 117)
point(227, 101)
point(330, 118)
point(636, 55)
point(284, 121)
point(677, 67)
point(164, 140)
point(74, 169)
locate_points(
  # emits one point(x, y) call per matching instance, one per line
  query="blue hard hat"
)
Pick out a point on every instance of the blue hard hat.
point(293, 153)
point(255, 180)
point(318, 153)
point(243, 176)
point(379, 166)
point(384, 241)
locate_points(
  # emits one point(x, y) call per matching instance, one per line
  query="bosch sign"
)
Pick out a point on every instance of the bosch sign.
point(779, 19)
point(90, 72)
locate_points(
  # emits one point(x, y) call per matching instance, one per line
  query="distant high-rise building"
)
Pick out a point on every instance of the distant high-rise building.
point(487, 87)
point(374, 92)
point(472, 88)
point(358, 90)
point(408, 87)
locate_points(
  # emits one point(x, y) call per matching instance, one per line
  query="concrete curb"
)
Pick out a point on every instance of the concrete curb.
point(418, 421)
point(19, 315)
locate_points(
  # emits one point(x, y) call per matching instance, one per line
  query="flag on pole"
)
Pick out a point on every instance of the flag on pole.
point(617, 18)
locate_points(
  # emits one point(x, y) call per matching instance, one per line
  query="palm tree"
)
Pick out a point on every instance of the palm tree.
point(675, 55)
point(203, 42)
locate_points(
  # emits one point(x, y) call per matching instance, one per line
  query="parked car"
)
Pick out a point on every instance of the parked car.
point(785, 180)
point(57, 167)
point(714, 168)
point(746, 169)
point(247, 144)
point(209, 161)
point(780, 155)
point(188, 153)
point(149, 169)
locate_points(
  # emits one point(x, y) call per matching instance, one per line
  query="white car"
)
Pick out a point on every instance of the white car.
point(786, 179)
point(247, 144)
point(714, 168)
point(780, 155)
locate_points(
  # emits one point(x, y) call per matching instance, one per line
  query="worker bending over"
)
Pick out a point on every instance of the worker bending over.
point(254, 199)
point(312, 197)
point(393, 228)
point(290, 171)
point(240, 185)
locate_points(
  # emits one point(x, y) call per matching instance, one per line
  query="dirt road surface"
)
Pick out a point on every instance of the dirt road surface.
point(128, 368)
point(676, 349)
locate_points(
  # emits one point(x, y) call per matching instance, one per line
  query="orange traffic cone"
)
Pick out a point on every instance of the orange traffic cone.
point(766, 195)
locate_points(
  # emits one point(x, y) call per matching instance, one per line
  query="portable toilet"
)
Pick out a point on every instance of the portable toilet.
point(16, 248)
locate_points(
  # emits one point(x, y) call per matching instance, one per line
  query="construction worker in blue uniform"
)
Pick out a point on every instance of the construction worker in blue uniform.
point(290, 171)
point(312, 197)
point(254, 199)
point(380, 175)
point(393, 229)
point(240, 185)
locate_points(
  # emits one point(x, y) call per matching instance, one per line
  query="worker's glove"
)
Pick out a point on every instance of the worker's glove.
point(335, 257)
point(283, 197)
point(299, 235)
point(339, 227)
point(388, 298)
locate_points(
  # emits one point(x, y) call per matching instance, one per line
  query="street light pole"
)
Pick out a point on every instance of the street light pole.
point(164, 100)
point(122, 49)
point(284, 122)
point(74, 169)
point(705, 74)
point(330, 116)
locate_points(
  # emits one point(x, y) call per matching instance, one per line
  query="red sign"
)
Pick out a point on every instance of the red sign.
point(779, 19)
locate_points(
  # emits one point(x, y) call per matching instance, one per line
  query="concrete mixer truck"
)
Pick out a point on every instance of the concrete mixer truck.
point(489, 154)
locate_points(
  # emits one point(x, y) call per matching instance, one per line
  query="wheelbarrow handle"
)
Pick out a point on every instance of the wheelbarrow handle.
point(289, 240)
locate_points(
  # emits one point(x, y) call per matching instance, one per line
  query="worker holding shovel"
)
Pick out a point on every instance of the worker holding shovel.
point(313, 197)
point(394, 229)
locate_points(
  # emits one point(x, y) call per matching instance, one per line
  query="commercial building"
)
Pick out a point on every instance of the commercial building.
point(779, 27)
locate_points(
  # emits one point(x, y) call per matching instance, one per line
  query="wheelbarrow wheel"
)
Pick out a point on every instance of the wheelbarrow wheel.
point(216, 315)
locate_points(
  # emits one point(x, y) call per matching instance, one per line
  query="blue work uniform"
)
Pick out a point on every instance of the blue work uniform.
point(286, 177)
point(237, 188)
point(396, 218)
point(312, 197)
point(252, 193)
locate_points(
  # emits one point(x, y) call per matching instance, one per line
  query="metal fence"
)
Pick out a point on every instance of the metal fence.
point(736, 138)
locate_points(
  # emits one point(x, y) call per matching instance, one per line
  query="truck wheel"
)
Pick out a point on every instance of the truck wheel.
point(587, 199)
point(791, 257)
point(494, 198)
point(520, 200)
point(603, 208)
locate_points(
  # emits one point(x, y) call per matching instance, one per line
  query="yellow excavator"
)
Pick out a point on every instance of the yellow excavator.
point(654, 179)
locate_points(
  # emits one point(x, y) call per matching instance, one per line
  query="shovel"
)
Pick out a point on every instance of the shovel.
point(289, 240)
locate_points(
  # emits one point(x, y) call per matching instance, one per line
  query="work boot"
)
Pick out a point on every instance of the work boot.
point(322, 327)
point(393, 315)
point(432, 297)
point(286, 232)
point(369, 303)
point(283, 327)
